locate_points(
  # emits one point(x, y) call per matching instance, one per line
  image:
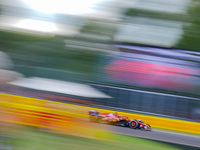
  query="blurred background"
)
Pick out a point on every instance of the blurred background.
point(139, 56)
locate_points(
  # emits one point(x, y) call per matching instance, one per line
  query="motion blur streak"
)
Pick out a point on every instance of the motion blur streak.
point(59, 6)
point(61, 118)
point(36, 25)
point(6, 75)
point(157, 75)
point(61, 58)
point(65, 117)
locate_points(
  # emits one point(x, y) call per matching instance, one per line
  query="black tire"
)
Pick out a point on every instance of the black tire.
point(133, 124)
point(93, 118)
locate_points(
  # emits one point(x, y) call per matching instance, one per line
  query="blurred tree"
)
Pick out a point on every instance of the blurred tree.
point(44, 51)
point(10, 41)
point(133, 12)
point(100, 28)
point(191, 37)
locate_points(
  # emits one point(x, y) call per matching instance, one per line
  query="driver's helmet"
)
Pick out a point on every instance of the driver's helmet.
point(139, 120)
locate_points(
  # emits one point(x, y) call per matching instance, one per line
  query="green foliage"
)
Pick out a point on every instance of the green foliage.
point(50, 52)
point(12, 41)
point(191, 36)
point(154, 14)
point(100, 28)
point(16, 36)
point(33, 139)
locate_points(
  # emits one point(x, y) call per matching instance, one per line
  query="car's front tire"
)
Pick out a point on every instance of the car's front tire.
point(133, 124)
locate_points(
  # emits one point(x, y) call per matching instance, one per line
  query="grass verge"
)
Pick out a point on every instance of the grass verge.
point(29, 138)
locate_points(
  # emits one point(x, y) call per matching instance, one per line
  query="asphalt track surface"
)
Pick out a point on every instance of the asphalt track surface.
point(171, 137)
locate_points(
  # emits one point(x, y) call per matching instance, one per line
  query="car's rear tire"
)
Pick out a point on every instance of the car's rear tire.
point(133, 124)
point(93, 118)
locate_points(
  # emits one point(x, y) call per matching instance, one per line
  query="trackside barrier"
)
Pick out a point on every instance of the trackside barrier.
point(59, 117)
point(80, 113)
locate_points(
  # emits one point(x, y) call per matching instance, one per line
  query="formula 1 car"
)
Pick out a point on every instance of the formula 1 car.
point(115, 119)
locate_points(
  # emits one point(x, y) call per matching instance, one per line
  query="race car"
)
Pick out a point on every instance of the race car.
point(115, 119)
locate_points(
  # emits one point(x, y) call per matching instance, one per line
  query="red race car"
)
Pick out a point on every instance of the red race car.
point(115, 119)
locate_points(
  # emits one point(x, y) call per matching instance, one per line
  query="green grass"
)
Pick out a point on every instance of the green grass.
point(28, 138)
